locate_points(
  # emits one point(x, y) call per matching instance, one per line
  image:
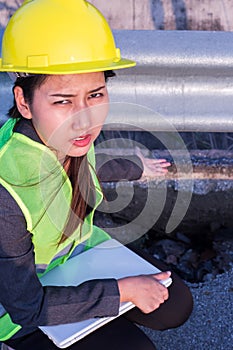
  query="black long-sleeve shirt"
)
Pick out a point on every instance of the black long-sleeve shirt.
point(21, 293)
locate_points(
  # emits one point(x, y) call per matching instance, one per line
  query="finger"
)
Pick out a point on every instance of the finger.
point(157, 164)
point(161, 161)
point(152, 170)
point(162, 275)
point(160, 169)
point(165, 165)
point(166, 295)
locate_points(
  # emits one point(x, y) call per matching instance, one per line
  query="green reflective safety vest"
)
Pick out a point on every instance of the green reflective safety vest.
point(33, 176)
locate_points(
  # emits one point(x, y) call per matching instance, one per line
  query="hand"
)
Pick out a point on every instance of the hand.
point(152, 167)
point(144, 291)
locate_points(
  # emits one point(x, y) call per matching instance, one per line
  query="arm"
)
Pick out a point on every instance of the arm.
point(114, 168)
point(28, 303)
point(111, 168)
point(32, 305)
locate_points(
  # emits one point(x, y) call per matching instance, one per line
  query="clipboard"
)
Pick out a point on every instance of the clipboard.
point(109, 259)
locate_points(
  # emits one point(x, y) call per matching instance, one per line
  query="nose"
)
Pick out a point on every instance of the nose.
point(82, 117)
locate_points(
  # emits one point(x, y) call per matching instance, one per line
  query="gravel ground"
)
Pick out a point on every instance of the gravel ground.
point(210, 326)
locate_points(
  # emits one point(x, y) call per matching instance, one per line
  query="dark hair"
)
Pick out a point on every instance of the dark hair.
point(83, 196)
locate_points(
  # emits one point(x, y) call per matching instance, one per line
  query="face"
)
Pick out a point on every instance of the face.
point(68, 112)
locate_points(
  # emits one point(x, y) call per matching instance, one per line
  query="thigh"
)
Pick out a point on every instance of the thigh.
point(174, 312)
point(119, 334)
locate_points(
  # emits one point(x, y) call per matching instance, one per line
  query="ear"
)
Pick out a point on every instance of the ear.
point(22, 105)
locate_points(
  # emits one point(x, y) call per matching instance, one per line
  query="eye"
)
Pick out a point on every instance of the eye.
point(96, 95)
point(62, 102)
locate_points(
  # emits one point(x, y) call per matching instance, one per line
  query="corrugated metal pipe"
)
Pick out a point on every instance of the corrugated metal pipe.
point(186, 77)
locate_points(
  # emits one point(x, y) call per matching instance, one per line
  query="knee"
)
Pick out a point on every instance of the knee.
point(181, 313)
point(186, 311)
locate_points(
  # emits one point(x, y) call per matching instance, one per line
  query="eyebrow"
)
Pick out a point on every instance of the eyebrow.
point(71, 95)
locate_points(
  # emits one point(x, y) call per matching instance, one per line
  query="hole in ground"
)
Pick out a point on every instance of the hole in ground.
point(196, 256)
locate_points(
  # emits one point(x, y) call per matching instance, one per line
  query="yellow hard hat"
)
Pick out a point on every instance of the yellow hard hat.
point(59, 37)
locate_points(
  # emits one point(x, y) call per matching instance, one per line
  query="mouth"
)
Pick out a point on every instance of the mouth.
point(81, 141)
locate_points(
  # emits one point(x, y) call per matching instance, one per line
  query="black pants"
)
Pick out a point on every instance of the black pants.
point(122, 333)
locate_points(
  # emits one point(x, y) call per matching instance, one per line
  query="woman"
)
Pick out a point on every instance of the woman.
point(61, 54)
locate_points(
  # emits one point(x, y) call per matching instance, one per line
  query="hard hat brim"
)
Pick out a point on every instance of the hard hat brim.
point(74, 68)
